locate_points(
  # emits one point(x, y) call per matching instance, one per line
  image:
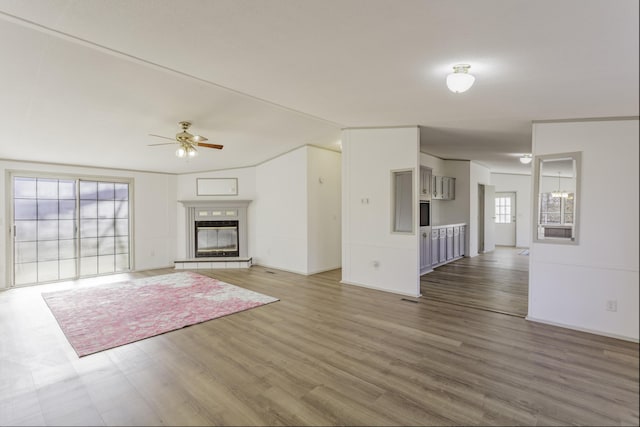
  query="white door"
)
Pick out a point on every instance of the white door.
point(489, 218)
point(505, 221)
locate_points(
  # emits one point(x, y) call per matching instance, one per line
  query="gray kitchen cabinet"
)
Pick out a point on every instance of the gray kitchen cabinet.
point(425, 183)
point(443, 187)
point(449, 243)
point(442, 245)
point(425, 249)
point(435, 246)
point(456, 241)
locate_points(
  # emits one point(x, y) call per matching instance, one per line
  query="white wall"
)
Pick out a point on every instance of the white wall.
point(372, 255)
point(569, 285)
point(281, 212)
point(324, 210)
point(154, 210)
point(186, 190)
point(521, 185)
point(294, 219)
point(478, 174)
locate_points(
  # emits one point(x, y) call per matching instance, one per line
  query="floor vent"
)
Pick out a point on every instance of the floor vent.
point(408, 300)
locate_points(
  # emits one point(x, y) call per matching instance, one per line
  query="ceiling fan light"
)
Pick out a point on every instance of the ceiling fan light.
point(181, 152)
point(192, 152)
point(460, 80)
point(526, 159)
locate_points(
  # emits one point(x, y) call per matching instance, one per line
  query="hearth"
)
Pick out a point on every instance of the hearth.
point(216, 239)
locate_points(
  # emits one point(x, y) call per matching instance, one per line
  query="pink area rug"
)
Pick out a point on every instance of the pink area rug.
point(100, 317)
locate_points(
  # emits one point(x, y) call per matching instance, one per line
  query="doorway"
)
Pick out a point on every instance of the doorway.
point(505, 228)
point(65, 228)
point(486, 218)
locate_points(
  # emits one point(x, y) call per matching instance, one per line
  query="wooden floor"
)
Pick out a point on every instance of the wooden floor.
point(496, 281)
point(325, 354)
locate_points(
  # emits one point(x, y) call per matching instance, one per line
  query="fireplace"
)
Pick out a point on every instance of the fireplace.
point(215, 229)
point(216, 239)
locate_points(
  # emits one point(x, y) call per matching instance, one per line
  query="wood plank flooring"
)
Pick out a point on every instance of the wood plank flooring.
point(325, 354)
point(496, 281)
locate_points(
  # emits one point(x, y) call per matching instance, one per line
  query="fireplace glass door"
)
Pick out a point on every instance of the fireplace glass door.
point(216, 238)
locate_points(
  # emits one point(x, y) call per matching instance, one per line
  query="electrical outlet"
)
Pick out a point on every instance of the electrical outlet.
point(612, 305)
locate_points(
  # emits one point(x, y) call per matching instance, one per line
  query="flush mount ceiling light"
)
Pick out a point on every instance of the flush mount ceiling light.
point(460, 80)
point(526, 159)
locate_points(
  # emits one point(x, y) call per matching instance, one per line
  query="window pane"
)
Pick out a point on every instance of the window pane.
point(89, 247)
point(88, 228)
point(88, 190)
point(106, 245)
point(106, 209)
point(47, 271)
point(67, 249)
point(26, 231)
point(121, 191)
point(24, 188)
point(25, 209)
point(88, 266)
point(67, 268)
point(106, 264)
point(122, 262)
point(67, 209)
point(47, 230)
point(26, 273)
point(122, 209)
point(47, 188)
point(25, 252)
point(106, 227)
point(67, 190)
point(122, 227)
point(122, 244)
point(47, 209)
point(106, 191)
point(66, 229)
point(88, 209)
point(48, 250)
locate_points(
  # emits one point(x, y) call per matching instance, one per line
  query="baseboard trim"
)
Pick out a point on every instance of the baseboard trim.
point(362, 285)
point(587, 330)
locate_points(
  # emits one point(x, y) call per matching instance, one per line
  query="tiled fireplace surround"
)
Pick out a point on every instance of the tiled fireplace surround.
point(218, 210)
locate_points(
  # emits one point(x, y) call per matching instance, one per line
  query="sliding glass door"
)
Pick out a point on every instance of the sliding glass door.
point(68, 228)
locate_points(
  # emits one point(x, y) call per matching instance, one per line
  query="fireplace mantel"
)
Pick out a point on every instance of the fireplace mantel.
point(197, 210)
point(215, 203)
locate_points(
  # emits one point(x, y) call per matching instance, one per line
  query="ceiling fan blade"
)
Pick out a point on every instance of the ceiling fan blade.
point(216, 146)
point(198, 138)
point(160, 136)
point(162, 143)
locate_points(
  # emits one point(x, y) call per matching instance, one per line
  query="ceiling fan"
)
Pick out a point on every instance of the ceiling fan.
point(187, 141)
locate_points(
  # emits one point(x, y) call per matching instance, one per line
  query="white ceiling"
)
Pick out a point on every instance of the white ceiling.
point(85, 82)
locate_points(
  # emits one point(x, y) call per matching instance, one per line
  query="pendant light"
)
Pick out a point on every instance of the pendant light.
point(559, 193)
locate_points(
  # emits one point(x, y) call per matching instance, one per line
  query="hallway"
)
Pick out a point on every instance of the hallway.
point(497, 281)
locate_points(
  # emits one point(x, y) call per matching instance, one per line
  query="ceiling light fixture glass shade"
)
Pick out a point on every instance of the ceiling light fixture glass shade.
point(460, 80)
point(526, 159)
point(186, 150)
